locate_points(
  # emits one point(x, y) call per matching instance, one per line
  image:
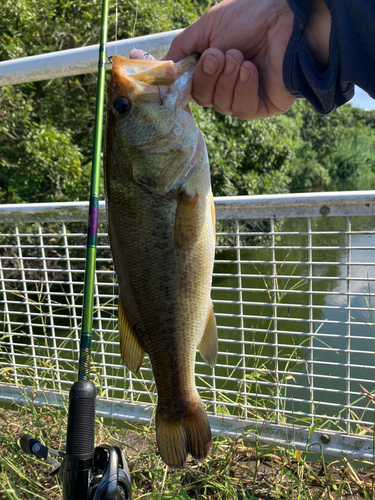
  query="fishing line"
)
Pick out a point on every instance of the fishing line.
point(112, 334)
point(116, 26)
point(135, 20)
point(112, 321)
point(112, 338)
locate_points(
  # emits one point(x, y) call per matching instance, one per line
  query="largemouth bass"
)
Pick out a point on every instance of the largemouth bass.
point(161, 225)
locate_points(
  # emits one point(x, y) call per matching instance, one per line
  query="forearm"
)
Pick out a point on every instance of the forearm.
point(332, 48)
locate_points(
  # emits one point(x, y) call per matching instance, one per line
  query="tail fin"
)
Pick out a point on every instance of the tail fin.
point(190, 435)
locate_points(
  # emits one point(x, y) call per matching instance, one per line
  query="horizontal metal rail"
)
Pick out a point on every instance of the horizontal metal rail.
point(294, 298)
point(78, 61)
point(259, 431)
point(334, 204)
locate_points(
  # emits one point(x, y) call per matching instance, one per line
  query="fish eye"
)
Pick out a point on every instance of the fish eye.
point(121, 105)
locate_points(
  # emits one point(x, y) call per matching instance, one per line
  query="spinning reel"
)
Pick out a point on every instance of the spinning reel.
point(86, 472)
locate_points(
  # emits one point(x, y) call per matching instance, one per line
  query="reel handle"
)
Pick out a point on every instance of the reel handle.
point(33, 446)
point(27, 442)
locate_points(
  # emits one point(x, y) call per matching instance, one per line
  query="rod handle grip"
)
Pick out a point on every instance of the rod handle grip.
point(81, 421)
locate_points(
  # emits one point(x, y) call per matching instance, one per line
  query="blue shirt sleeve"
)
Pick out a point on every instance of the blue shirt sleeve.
point(351, 55)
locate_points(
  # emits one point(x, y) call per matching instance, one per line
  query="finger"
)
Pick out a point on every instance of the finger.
point(206, 74)
point(226, 83)
point(247, 103)
point(193, 39)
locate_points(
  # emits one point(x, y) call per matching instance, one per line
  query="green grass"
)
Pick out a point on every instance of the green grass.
point(233, 470)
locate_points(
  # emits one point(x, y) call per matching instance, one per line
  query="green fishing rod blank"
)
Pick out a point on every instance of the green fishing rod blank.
point(92, 232)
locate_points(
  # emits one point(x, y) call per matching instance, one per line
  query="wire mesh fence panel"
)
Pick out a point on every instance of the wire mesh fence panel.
point(304, 310)
point(293, 299)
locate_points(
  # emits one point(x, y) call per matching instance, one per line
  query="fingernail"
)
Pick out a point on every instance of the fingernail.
point(210, 65)
point(244, 74)
point(230, 65)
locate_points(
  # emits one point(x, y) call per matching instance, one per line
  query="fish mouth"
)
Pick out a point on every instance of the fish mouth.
point(141, 79)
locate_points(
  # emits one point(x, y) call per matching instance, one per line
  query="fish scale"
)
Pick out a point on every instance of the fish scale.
point(161, 230)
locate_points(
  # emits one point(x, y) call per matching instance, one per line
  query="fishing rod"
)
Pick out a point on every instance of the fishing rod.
point(87, 472)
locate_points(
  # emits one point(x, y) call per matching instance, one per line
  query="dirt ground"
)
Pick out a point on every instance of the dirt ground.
point(257, 475)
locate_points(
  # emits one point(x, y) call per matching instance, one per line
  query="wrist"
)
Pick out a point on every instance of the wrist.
point(318, 31)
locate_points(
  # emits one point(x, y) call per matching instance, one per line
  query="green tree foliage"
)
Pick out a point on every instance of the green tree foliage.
point(335, 151)
point(247, 157)
point(46, 128)
point(38, 162)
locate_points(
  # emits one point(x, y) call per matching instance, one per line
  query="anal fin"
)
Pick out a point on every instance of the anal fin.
point(208, 345)
point(131, 352)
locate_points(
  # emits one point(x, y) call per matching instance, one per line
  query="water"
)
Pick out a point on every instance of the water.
point(318, 336)
point(310, 337)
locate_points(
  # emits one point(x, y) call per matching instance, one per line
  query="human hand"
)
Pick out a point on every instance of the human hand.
point(242, 45)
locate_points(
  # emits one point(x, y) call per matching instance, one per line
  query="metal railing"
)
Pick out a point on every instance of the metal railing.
point(78, 61)
point(293, 286)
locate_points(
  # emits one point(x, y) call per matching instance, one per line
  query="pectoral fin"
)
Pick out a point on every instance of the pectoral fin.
point(208, 344)
point(186, 225)
point(131, 352)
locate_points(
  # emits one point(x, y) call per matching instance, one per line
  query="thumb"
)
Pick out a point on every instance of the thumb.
point(190, 41)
